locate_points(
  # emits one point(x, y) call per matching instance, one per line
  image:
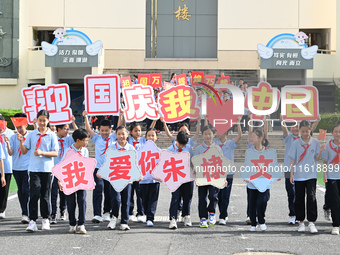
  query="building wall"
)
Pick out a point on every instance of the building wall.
point(120, 25)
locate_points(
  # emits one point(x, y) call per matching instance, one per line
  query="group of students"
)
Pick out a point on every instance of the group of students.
point(35, 153)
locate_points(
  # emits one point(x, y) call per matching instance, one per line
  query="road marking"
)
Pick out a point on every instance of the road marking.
point(12, 197)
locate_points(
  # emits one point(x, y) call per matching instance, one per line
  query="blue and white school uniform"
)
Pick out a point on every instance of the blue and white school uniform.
point(135, 187)
point(305, 176)
point(8, 159)
point(121, 198)
point(203, 209)
point(228, 148)
point(20, 172)
point(101, 145)
point(289, 139)
point(184, 191)
point(64, 144)
point(39, 169)
point(77, 197)
point(149, 190)
point(257, 201)
point(332, 155)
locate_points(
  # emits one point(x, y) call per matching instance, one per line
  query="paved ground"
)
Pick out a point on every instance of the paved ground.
point(232, 238)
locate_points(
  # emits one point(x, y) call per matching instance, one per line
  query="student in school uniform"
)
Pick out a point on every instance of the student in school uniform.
point(304, 154)
point(251, 146)
point(42, 144)
point(149, 187)
point(5, 135)
point(102, 142)
point(20, 164)
point(257, 201)
point(331, 168)
point(81, 138)
point(64, 142)
point(120, 199)
point(207, 211)
point(137, 141)
point(228, 147)
point(185, 190)
point(2, 171)
point(289, 138)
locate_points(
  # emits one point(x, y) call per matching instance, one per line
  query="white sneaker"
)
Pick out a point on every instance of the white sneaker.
point(222, 222)
point(335, 231)
point(124, 227)
point(173, 224)
point(106, 217)
point(45, 224)
point(32, 227)
point(82, 229)
point(187, 221)
point(312, 228)
point(140, 218)
point(113, 223)
point(263, 227)
point(25, 219)
point(248, 221)
point(212, 218)
point(2, 215)
point(292, 220)
point(149, 223)
point(72, 229)
point(252, 229)
point(302, 227)
point(97, 219)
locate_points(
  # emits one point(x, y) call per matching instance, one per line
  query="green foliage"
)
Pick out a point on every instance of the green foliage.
point(327, 121)
point(337, 98)
point(8, 113)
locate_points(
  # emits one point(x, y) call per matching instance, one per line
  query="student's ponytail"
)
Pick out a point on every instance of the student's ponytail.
point(259, 133)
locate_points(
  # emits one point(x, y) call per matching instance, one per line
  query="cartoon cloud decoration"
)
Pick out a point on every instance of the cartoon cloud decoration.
point(94, 48)
point(49, 49)
point(265, 52)
point(309, 53)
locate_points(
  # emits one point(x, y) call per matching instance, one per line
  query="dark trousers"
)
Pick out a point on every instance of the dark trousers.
point(248, 213)
point(334, 199)
point(72, 200)
point(54, 197)
point(21, 178)
point(245, 126)
point(203, 209)
point(121, 198)
point(301, 188)
point(327, 204)
point(40, 188)
point(4, 193)
point(135, 188)
point(148, 123)
point(224, 197)
point(97, 196)
point(257, 205)
point(290, 188)
point(149, 193)
point(185, 191)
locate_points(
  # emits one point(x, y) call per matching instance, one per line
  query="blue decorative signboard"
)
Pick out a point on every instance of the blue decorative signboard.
point(71, 48)
point(287, 51)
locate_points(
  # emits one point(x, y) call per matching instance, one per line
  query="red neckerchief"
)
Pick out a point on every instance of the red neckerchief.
point(179, 150)
point(134, 144)
point(79, 152)
point(296, 137)
point(1, 139)
point(107, 144)
point(336, 158)
point(62, 147)
point(19, 150)
point(39, 141)
point(304, 153)
point(122, 149)
point(208, 147)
